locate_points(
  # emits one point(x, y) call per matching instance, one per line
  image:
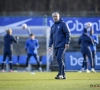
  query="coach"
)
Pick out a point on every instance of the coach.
point(60, 39)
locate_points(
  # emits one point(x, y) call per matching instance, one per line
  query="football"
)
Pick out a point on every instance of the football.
point(24, 26)
point(89, 24)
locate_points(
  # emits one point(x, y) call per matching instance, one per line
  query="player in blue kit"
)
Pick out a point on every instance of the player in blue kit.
point(93, 48)
point(31, 47)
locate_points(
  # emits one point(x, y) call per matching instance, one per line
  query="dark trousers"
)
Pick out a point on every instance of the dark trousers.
point(93, 56)
point(59, 53)
point(9, 55)
point(85, 60)
point(28, 58)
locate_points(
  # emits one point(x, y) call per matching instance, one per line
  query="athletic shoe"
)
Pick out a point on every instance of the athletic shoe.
point(87, 71)
point(3, 71)
point(92, 70)
point(11, 70)
point(40, 69)
point(59, 77)
point(64, 77)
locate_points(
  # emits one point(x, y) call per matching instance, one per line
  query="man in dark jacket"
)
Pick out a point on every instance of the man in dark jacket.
point(85, 41)
point(8, 48)
point(60, 38)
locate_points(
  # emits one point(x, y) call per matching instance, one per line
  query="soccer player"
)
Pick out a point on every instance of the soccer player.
point(93, 48)
point(31, 47)
point(85, 41)
point(60, 39)
point(8, 47)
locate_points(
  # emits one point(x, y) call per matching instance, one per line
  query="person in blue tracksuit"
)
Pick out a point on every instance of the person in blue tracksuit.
point(8, 47)
point(60, 39)
point(85, 41)
point(31, 47)
point(93, 48)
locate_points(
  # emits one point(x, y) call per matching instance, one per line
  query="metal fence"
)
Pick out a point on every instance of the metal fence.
point(67, 13)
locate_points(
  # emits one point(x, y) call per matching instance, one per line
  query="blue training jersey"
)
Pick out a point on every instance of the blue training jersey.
point(32, 46)
point(95, 40)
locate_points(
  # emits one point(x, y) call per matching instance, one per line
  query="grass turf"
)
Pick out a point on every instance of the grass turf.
point(46, 81)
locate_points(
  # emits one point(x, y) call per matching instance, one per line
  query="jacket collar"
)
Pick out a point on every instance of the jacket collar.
point(85, 34)
point(60, 20)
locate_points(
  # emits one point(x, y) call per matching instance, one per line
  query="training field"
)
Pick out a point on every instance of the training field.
point(46, 81)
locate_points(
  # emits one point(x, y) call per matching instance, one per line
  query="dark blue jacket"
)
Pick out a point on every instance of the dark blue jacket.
point(59, 35)
point(85, 41)
point(95, 40)
point(8, 43)
point(32, 46)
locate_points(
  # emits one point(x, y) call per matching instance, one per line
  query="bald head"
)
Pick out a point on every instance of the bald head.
point(56, 16)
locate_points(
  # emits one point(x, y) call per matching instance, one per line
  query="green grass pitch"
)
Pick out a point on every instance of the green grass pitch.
point(46, 81)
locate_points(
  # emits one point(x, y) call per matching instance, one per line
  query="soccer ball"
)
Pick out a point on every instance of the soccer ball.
point(88, 25)
point(24, 26)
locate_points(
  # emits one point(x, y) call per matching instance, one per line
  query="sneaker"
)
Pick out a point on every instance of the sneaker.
point(92, 70)
point(11, 70)
point(87, 71)
point(40, 69)
point(59, 77)
point(64, 77)
point(3, 71)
